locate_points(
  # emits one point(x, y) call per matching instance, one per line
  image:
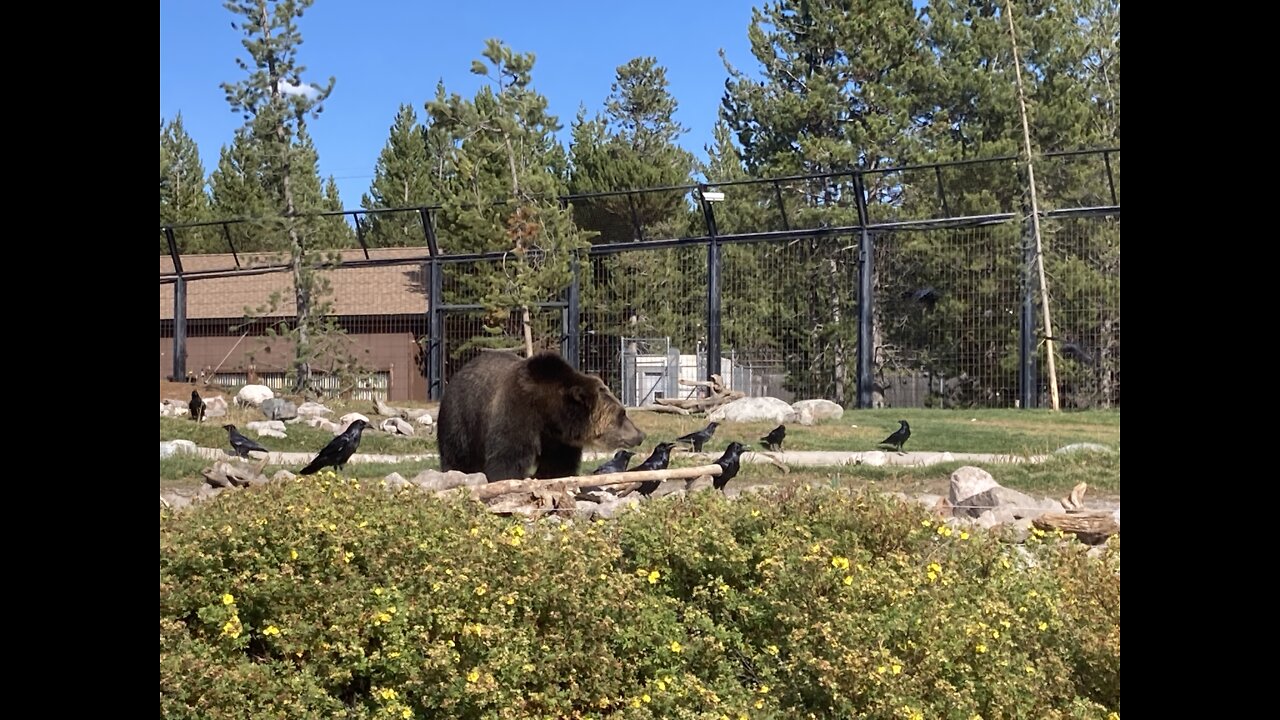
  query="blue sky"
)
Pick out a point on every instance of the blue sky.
point(387, 52)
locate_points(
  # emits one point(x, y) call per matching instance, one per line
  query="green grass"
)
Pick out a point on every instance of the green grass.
point(300, 437)
point(1018, 432)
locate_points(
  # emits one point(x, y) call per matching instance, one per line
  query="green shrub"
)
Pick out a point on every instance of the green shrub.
point(321, 598)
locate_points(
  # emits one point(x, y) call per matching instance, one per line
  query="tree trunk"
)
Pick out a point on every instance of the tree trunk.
point(528, 331)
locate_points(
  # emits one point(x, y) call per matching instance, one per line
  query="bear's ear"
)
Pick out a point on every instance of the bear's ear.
point(546, 366)
point(582, 394)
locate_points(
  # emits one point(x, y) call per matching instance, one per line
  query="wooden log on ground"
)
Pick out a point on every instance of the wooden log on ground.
point(502, 487)
point(1092, 527)
point(653, 407)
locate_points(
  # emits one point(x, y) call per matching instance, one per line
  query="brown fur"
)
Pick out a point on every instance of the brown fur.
point(505, 416)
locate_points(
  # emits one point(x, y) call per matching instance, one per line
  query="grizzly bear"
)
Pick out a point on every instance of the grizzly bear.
point(509, 417)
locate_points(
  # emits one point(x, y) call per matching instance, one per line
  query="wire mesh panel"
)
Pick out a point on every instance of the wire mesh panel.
point(1082, 270)
point(790, 318)
point(947, 311)
point(656, 293)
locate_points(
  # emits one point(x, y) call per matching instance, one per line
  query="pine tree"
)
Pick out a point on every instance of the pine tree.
point(402, 179)
point(502, 196)
point(182, 188)
point(833, 96)
point(276, 103)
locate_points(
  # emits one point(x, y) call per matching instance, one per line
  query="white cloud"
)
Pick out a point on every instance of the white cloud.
point(288, 88)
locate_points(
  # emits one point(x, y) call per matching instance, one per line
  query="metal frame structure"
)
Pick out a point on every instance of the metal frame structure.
point(866, 229)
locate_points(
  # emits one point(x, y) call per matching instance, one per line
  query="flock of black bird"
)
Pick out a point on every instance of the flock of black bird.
point(339, 450)
point(335, 454)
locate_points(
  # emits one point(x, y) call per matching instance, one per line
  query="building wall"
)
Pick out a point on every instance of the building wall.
point(395, 352)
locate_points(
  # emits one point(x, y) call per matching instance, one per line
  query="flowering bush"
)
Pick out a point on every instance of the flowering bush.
point(321, 598)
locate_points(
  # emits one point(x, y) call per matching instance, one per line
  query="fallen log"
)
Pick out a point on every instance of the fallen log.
point(1092, 527)
point(654, 407)
point(503, 487)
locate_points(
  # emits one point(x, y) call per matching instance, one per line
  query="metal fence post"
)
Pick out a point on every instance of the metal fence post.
point(713, 290)
point(866, 298)
point(573, 314)
point(435, 315)
point(1027, 321)
point(179, 311)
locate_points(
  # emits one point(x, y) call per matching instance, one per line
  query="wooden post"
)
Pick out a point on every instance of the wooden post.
point(1035, 214)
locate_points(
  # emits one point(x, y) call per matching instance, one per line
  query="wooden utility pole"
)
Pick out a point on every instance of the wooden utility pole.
point(1035, 213)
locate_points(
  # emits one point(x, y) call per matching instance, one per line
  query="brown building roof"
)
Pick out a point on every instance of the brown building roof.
point(390, 290)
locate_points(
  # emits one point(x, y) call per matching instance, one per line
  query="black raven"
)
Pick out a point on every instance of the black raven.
point(240, 444)
point(657, 461)
point(618, 463)
point(729, 463)
point(899, 436)
point(773, 441)
point(699, 437)
point(339, 449)
point(196, 407)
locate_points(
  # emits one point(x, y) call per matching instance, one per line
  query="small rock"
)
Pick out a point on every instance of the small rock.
point(283, 475)
point(434, 480)
point(175, 408)
point(609, 510)
point(313, 409)
point(396, 426)
point(395, 481)
point(1018, 530)
point(424, 420)
point(254, 395)
point(873, 458)
point(215, 406)
point(279, 409)
point(968, 481)
point(268, 428)
point(346, 420)
point(173, 447)
point(316, 421)
point(1020, 504)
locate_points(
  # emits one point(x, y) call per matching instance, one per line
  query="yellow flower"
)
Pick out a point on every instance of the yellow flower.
point(755, 513)
point(227, 599)
point(406, 713)
point(515, 542)
point(1043, 626)
point(473, 676)
point(653, 577)
point(645, 697)
point(882, 670)
point(271, 630)
point(964, 535)
point(764, 689)
point(293, 554)
point(932, 576)
point(387, 694)
point(981, 648)
point(481, 589)
point(1030, 670)
point(926, 523)
point(935, 567)
point(848, 579)
point(377, 591)
point(759, 704)
point(897, 669)
point(840, 563)
point(772, 649)
point(346, 557)
point(1114, 716)
point(661, 685)
point(675, 646)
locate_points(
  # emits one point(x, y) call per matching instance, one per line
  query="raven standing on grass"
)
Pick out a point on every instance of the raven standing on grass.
point(899, 436)
point(241, 444)
point(773, 441)
point(699, 437)
point(196, 407)
point(339, 450)
point(728, 462)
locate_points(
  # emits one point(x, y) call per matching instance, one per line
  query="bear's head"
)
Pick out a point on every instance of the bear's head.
point(590, 414)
